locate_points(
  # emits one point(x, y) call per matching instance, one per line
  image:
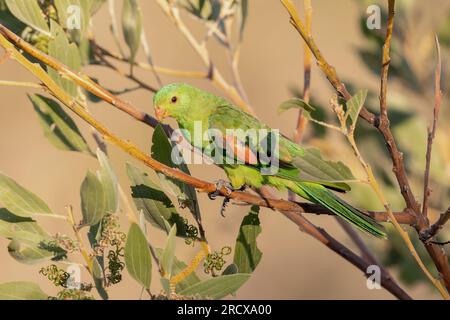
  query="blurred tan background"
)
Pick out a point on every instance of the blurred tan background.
point(293, 266)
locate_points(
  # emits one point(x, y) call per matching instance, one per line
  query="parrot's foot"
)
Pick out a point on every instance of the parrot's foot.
point(219, 185)
point(213, 195)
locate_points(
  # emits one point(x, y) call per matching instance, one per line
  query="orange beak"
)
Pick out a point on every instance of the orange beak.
point(160, 113)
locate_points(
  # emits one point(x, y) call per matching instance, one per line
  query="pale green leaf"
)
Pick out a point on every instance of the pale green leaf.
point(19, 200)
point(138, 258)
point(58, 127)
point(296, 103)
point(71, 10)
point(218, 287)
point(132, 26)
point(168, 253)
point(29, 12)
point(109, 182)
point(62, 50)
point(203, 9)
point(354, 105)
point(31, 251)
point(21, 290)
point(93, 200)
point(246, 252)
point(97, 273)
point(156, 206)
point(11, 225)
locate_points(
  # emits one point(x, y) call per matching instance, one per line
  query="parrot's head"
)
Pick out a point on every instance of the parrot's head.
point(183, 102)
point(173, 100)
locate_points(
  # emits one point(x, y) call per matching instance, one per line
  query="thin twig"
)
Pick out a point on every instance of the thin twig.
point(83, 250)
point(432, 131)
point(432, 231)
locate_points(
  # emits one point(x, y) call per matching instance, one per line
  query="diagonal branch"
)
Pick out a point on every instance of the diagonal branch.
point(432, 231)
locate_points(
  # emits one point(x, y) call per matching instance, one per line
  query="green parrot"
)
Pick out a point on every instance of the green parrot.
point(301, 170)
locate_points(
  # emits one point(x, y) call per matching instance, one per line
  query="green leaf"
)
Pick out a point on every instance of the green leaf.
point(9, 20)
point(246, 252)
point(108, 180)
point(203, 9)
point(35, 250)
point(97, 273)
point(138, 258)
point(29, 242)
point(296, 103)
point(156, 206)
point(177, 267)
point(354, 105)
point(58, 127)
point(93, 200)
point(132, 27)
point(65, 15)
point(11, 225)
point(29, 12)
point(21, 290)
point(62, 50)
point(161, 151)
point(19, 200)
point(168, 254)
point(218, 287)
point(230, 269)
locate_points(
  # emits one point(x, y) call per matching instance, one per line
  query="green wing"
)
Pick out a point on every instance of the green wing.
point(296, 163)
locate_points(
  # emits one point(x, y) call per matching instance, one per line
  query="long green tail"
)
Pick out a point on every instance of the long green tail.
point(320, 195)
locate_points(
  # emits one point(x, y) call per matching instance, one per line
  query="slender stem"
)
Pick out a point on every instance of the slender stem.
point(302, 120)
point(75, 229)
point(33, 85)
point(438, 225)
point(432, 131)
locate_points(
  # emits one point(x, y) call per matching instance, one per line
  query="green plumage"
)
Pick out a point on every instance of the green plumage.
point(301, 170)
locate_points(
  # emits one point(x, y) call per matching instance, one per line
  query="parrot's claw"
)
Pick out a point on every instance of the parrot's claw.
point(213, 195)
point(225, 202)
point(219, 185)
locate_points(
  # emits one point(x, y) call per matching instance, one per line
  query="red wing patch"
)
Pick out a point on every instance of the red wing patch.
point(240, 150)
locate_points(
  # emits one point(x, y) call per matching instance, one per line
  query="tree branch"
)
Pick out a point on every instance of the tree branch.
point(432, 231)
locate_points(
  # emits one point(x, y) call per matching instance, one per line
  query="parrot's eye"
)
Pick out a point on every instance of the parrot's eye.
point(174, 99)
